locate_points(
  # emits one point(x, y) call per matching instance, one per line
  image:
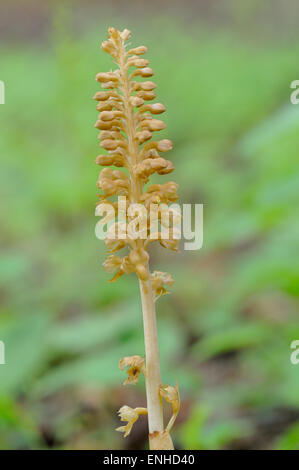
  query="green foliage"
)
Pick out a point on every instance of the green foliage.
point(290, 440)
point(198, 434)
point(17, 429)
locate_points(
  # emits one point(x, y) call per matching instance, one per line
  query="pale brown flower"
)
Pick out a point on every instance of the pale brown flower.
point(172, 396)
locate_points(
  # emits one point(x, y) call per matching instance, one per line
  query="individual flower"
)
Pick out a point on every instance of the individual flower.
point(135, 365)
point(172, 396)
point(160, 279)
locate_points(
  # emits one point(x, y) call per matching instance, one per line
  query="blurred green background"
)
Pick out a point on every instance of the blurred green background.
point(223, 71)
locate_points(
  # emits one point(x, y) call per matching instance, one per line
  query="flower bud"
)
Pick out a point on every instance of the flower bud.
point(156, 108)
point(114, 245)
point(106, 77)
point(151, 153)
point(146, 72)
point(138, 63)
point(107, 115)
point(104, 95)
point(112, 159)
point(108, 46)
point(143, 136)
point(153, 124)
point(125, 34)
point(112, 263)
point(164, 145)
point(109, 135)
point(134, 256)
point(146, 95)
point(172, 396)
point(158, 280)
point(118, 161)
point(148, 86)
point(109, 144)
point(167, 169)
point(109, 85)
point(104, 105)
point(114, 33)
point(103, 125)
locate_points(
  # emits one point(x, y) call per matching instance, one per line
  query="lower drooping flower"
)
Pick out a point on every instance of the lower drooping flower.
point(172, 396)
point(135, 365)
point(158, 280)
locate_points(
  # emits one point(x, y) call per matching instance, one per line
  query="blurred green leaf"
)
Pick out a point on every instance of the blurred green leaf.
point(230, 339)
